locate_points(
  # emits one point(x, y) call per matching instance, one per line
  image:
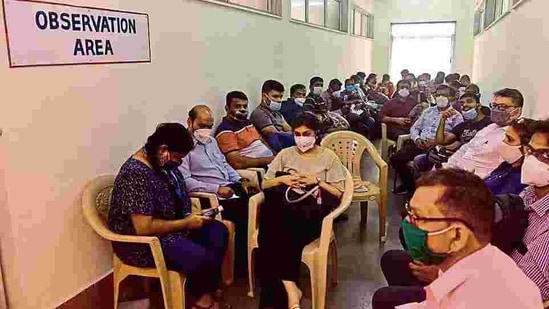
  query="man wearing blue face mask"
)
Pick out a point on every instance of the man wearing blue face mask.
point(481, 154)
point(448, 228)
point(268, 119)
point(293, 107)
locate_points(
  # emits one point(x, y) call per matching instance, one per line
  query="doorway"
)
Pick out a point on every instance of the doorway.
point(422, 48)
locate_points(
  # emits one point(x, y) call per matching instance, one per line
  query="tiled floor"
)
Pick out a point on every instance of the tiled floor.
point(359, 254)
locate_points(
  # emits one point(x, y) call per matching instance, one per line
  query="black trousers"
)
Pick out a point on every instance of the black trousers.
point(283, 233)
point(399, 161)
point(236, 211)
point(403, 286)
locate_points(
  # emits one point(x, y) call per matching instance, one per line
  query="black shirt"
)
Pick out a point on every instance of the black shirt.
point(466, 130)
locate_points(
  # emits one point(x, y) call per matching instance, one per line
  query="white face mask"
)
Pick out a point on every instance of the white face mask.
point(510, 154)
point(404, 92)
point(299, 101)
point(317, 90)
point(305, 143)
point(203, 135)
point(534, 172)
point(442, 102)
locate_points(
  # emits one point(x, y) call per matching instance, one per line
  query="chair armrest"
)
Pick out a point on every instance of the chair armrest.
point(212, 198)
point(251, 175)
point(401, 139)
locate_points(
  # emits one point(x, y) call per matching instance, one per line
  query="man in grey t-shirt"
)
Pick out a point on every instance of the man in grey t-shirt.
point(267, 118)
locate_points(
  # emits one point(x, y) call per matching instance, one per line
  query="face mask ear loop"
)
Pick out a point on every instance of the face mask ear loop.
point(441, 231)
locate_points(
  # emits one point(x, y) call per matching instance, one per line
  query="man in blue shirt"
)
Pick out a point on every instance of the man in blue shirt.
point(205, 169)
point(292, 107)
point(423, 135)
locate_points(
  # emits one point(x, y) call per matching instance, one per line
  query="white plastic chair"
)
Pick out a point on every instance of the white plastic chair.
point(315, 255)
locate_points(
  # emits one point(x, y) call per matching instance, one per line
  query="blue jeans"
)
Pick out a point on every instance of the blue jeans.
point(199, 257)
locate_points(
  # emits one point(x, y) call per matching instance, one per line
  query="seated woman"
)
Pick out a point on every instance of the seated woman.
point(149, 199)
point(303, 184)
point(506, 178)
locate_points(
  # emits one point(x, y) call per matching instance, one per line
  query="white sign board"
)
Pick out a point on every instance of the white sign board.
point(41, 33)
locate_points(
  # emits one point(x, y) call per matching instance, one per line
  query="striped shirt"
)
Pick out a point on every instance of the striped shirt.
point(535, 262)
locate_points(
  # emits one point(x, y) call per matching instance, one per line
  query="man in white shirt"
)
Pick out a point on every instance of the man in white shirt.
point(481, 155)
point(449, 226)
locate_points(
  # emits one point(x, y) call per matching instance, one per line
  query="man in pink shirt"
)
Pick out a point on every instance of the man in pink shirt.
point(449, 227)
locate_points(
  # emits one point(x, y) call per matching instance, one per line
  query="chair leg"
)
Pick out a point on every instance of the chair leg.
point(166, 291)
point(117, 281)
point(318, 284)
point(177, 290)
point(333, 260)
point(228, 261)
point(363, 213)
point(250, 272)
point(382, 218)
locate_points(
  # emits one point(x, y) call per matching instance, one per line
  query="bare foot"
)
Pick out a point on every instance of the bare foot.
point(294, 294)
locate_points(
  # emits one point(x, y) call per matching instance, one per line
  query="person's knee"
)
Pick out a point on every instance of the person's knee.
point(219, 233)
point(379, 299)
point(392, 257)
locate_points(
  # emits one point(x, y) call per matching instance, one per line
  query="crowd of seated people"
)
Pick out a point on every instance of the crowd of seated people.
point(463, 155)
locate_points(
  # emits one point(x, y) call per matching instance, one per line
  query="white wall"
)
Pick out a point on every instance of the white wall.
point(64, 125)
point(398, 11)
point(513, 53)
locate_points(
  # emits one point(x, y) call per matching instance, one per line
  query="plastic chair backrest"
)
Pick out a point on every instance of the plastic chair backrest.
point(96, 200)
point(349, 147)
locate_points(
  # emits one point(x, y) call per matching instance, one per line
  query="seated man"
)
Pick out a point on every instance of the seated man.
point(332, 95)
point(480, 155)
point(354, 110)
point(423, 134)
point(237, 137)
point(474, 121)
point(293, 107)
point(316, 86)
point(328, 121)
point(205, 169)
point(395, 112)
point(533, 257)
point(449, 228)
point(268, 120)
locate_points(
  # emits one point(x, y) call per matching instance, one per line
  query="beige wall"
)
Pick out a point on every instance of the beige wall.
point(64, 125)
point(392, 11)
point(513, 53)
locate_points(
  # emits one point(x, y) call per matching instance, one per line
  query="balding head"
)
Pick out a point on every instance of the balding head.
point(200, 117)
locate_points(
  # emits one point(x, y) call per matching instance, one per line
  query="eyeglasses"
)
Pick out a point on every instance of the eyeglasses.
point(501, 107)
point(540, 154)
point(414, 218)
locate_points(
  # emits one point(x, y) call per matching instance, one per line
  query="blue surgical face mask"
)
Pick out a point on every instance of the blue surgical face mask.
point(275, 106)
point(470, 114)
point(350, 88)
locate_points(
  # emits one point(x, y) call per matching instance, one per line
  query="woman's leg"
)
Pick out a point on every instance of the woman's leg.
point(199, 257)
point(395, 267)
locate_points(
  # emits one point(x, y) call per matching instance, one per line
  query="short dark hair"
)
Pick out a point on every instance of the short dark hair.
point(403, 81)
point(525, 128)
point(451, 77)
point(235, 95)
point(386, 77)
point(272, 85)
point(297, 87)
point(451, 90)
point(473, 96)
point(306, 119)
point(512, 94)
point(349, 80)
point(335, 82)
point(428, 75)
point(475, 87)
point(466, 197)
point(370, 76)
point(361, 74)
point(193, 113)
point(315, 79)
point(542, 126)
point(405, 71)
point(455, 84)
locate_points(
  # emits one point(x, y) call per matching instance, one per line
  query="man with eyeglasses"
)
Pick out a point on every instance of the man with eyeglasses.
point(481, 155)
point(533, 256)
point(449, 228)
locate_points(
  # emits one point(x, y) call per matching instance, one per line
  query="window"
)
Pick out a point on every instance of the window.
point(493, 10)
point(363, 23)
point(479, 15)
point(270, 6)
point(324, 13)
